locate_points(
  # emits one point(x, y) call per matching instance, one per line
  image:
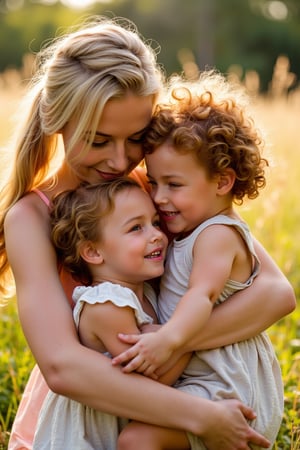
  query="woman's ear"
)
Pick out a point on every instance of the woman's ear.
point(91, 254)
point(226, 181)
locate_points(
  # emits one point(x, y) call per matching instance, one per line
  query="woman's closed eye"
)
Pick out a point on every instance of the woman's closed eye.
point(99, 139)
point(137, 138)
point(99, 144)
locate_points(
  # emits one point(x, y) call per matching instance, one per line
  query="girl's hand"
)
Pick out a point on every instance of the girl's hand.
point(146, 355)
point(149, 327)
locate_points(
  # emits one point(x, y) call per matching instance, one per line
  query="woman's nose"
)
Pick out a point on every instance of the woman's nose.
point(119, 159)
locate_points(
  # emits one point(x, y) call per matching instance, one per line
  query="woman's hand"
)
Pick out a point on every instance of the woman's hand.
point(230, 430)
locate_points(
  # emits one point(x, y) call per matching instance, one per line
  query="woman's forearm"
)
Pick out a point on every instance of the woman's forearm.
point(107, 388)
point(84, 375)
point(250, 311)
point(89, 378)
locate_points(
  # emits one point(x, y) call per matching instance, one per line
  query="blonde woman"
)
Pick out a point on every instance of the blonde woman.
point(94, 94)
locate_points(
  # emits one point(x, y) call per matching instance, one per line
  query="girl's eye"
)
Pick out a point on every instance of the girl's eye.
point(157, 224)
point(136, 227)
point(151, 182)
point(174, 185)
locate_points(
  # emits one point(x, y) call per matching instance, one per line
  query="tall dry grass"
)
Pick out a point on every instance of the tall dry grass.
point(274, 218)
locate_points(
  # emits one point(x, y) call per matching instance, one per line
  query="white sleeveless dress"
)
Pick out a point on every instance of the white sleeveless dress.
point(248, 370)
point(65, 424)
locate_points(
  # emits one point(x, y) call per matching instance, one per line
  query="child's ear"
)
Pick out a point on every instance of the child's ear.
point(226, 181)
point(91, 254)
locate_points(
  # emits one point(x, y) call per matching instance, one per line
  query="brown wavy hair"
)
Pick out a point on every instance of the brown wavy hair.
point(76, 217)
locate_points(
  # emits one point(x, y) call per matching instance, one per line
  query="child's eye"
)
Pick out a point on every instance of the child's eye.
point(174, 185)
point(136, 227)
point(157, 223)
point(151, 182)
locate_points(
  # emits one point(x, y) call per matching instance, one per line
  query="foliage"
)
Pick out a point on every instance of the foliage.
point(16, 364)
point(217, 33)
point(26, 30)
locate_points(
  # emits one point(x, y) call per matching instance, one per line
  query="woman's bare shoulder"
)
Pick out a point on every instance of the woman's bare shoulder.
point(29, 209)
point(27, 229)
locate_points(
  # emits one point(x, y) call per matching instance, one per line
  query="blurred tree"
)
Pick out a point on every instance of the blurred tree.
point(191, 35)
point(221, 33)
point(253, 38)
point(26, 29)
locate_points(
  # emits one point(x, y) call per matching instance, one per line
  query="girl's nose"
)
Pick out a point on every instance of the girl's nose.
point(157, 234)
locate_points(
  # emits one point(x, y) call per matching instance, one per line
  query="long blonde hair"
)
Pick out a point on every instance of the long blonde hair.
point(78, 73)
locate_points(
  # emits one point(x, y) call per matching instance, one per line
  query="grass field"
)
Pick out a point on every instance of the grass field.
point(274, 218)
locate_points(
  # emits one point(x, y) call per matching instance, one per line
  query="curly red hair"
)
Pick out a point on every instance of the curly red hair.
point(210, 119)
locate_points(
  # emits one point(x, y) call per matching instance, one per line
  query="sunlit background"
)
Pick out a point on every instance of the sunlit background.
point(244, 36)
point(254, 42)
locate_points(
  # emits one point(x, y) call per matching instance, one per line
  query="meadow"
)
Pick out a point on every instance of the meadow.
point(274, 218)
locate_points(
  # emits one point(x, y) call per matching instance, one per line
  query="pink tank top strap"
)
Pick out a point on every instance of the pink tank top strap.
point(42, 196)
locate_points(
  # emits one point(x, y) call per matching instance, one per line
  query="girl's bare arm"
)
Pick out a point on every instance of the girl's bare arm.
point(98, 329)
